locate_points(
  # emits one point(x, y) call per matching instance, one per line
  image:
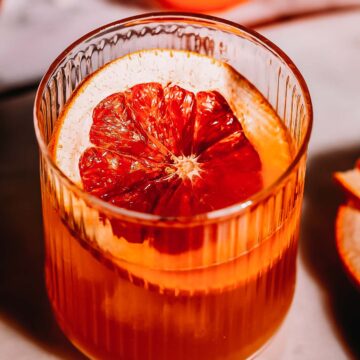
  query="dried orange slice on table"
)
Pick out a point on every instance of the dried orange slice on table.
point(347, 226)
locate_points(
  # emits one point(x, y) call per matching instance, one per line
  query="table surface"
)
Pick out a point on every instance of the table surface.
point(324, 320)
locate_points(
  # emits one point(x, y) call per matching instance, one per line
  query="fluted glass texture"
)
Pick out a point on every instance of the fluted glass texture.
point(225, 307)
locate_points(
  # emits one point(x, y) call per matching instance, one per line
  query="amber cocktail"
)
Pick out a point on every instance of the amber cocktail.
point(172, 153)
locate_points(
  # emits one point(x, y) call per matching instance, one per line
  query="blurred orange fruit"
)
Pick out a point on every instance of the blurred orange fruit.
point(199, 5)
point(348, 240)
point(350, 183)
point(347, 225)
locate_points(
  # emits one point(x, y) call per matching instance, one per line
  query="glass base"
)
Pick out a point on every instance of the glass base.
point(273, 347)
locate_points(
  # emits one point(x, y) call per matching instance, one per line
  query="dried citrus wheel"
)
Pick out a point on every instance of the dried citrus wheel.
point(348, 240)
point(170, 133)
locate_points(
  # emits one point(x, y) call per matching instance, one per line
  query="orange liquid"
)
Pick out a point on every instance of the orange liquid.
point(107, 314)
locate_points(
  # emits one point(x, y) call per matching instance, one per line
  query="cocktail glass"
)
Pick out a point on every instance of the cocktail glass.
point(227, 307)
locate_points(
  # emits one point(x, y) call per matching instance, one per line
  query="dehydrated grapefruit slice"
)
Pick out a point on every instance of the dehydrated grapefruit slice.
point(190, 76)
point(348, 240)
point(191, 72)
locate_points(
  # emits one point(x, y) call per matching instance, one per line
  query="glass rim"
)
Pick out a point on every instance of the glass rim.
point(147, 218)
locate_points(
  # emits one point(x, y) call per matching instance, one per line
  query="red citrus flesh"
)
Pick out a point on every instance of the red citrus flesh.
point(167, 151)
